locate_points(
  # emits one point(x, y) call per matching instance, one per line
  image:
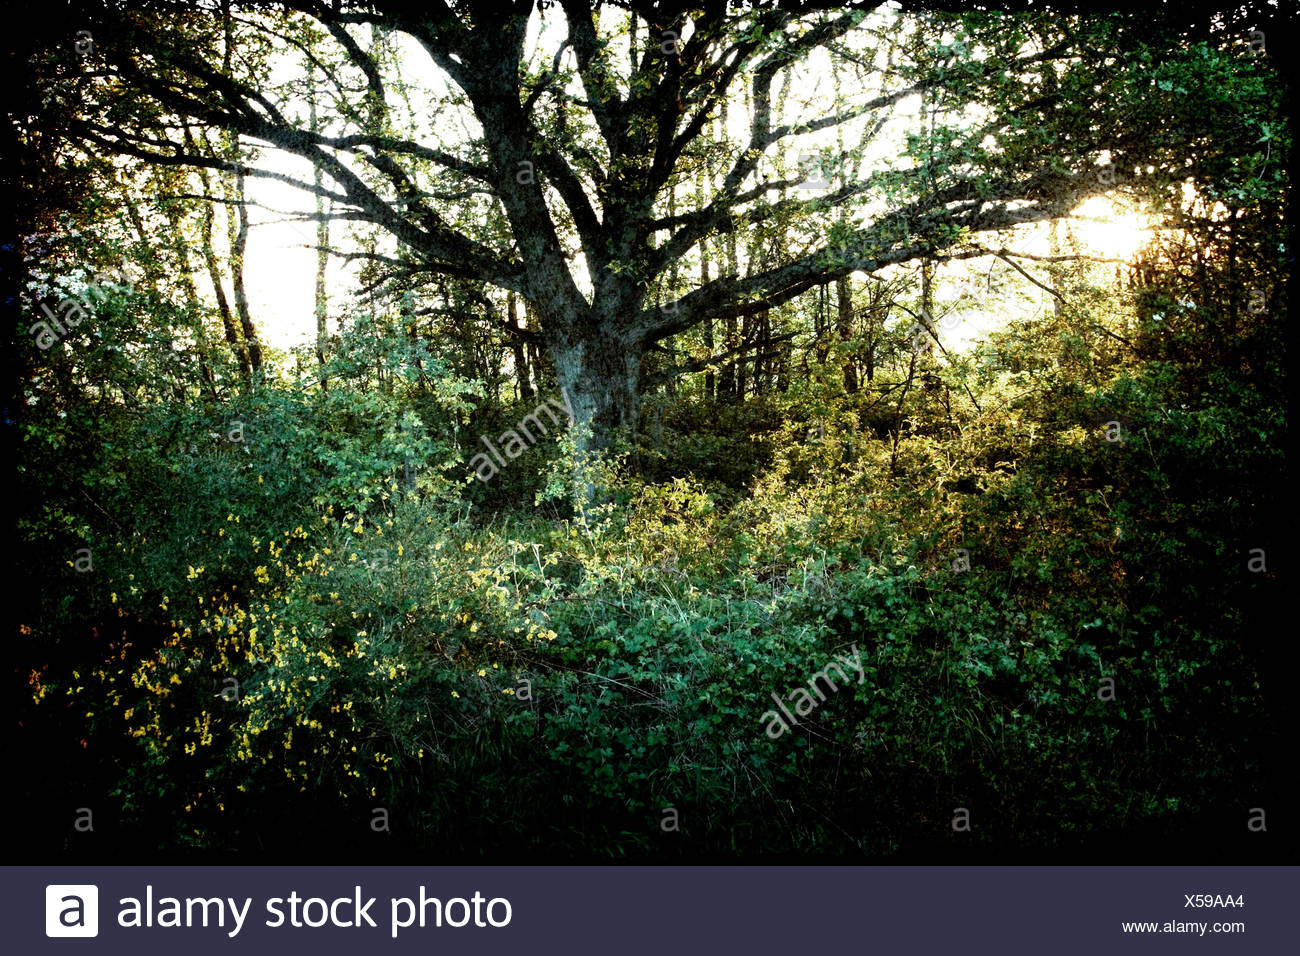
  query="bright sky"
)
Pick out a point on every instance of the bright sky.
point(280, 264)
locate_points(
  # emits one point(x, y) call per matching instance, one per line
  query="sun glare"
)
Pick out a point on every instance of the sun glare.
point(1103, 227)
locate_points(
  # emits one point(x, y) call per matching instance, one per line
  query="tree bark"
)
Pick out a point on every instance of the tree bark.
point(710, 379)
point(322, 246)
point(219, 290)
point(192, 300)
point(517, 349)
point(238, 247)
point(844, 294)
point(601, 382)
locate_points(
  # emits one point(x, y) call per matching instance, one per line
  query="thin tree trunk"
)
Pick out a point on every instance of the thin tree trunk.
point(191, 299)
point(822, 326)
point(875, 307)
point(238, 246)
point(322, 296)
point(927, 291)
point(727, 390)
point(710, 380)
point(242, 345)
point(898, 415)
point(844, 294)
point(927, 263)
point(151, 282)
point(322, 251)
point(742, 381)
point(517, 347)
point(844, 286)
point(1055, 269)
point(710, 377)
point(219, 289)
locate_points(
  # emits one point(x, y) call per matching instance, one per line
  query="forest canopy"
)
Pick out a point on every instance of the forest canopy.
point(648, 431)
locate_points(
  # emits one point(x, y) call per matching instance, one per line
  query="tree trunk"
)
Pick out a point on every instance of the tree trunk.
point(1055, 270)
point(710, 380)
point(898, 414)
point(219, 290)
point(322, 248)
point(820, 326)
point(844, 286)
point(517, 348)
point(742, 382)
point(702, 186)
point(600, 382)
point(871, 345)
point(192, 300)
point(238, 246)
point(726, 389)
point(845, 296)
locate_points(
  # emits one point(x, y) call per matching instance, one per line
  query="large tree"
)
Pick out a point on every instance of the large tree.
point(581, 123)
